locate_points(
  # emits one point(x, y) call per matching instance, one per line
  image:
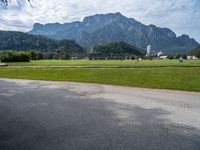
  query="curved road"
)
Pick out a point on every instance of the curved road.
point(41, 115)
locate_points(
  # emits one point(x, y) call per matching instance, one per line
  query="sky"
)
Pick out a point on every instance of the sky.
point(181, 16)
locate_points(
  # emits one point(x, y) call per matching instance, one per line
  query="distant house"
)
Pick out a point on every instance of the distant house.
point(163, 57)
point(192, 58)
point(148, 51)
point(74, 58)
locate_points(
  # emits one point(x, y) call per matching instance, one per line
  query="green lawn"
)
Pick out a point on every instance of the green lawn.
point(115, 63)
point(179, 78)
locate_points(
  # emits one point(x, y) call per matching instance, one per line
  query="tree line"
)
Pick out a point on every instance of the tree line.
point(24, 56)
point(116, 50)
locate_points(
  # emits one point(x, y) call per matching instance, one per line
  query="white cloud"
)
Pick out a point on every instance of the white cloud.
point(182, 16)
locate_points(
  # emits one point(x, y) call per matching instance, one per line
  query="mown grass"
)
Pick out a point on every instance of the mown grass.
point(114, 63)
point(178, 78)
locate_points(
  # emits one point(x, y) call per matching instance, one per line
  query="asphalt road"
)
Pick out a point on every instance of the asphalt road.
point(39, 115)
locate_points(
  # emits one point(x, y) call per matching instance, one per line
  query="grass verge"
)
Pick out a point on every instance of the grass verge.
point(177, 78)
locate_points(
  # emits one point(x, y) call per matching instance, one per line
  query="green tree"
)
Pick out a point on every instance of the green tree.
point(64, 56)
point(196, 51)
point(13, 56)
point(36, 55)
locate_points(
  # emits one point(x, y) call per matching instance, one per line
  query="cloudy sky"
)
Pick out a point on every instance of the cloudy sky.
point(182, 16)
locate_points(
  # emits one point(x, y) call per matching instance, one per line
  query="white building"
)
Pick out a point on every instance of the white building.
point(163, 57)
point(192, 58)
point(148, 50)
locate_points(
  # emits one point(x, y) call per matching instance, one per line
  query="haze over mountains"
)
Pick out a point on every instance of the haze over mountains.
point(112, 27)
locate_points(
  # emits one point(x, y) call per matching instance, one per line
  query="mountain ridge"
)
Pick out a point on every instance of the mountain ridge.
point(106, 28)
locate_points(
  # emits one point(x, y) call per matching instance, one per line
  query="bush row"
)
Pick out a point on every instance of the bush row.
point(20, 56)
point(11, 56)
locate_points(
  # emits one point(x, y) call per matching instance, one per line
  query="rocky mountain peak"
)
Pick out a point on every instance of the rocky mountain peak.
point(112, 27)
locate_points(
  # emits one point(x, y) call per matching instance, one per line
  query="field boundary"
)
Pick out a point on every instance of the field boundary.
point(6, 66)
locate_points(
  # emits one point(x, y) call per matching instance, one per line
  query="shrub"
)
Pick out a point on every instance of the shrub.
point(197, 53)
point(184, 56)
point(36, 55)
point(170, 57)
point(12, 56)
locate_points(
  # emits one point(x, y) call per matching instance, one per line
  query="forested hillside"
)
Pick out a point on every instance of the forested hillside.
point(10, 40)
point(116, 49)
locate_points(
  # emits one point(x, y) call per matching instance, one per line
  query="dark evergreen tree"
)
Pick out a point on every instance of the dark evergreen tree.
point(196, 51)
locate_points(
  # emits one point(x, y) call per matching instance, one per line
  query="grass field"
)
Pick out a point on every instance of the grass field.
point(162, 74)
point(114, 63)
point(179, 78)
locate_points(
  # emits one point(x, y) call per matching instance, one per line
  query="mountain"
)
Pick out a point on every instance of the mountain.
point(116, 49)
point(106, 28)
point(11, 40)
